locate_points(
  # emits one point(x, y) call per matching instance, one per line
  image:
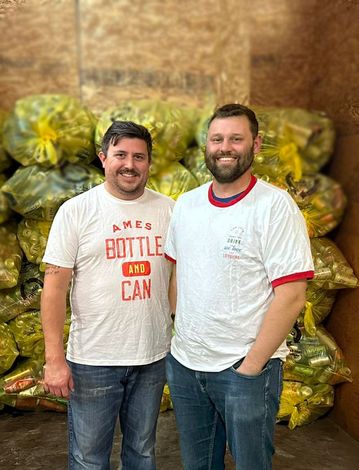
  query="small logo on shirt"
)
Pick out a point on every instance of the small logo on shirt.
point(232, 247)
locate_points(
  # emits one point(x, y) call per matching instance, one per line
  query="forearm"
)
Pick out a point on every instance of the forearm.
point(53, 311)
point(53, 315)
point(172, 291)
point(277, 323)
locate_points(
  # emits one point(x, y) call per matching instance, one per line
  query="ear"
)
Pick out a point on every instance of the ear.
point(102, 157)
point(257, 143)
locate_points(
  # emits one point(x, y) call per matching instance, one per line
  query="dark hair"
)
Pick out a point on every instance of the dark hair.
point(234, 109)
point(126, 129)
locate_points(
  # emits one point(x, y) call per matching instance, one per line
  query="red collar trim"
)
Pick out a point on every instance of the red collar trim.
point(234, 201)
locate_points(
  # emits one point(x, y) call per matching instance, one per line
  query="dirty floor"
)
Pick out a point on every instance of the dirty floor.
point(37, 441)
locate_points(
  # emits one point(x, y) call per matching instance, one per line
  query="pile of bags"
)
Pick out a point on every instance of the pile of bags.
point(48, 147)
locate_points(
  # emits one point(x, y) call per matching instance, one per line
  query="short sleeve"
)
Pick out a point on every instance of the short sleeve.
point(170, 245)
point(287, 254)
point(62, 244)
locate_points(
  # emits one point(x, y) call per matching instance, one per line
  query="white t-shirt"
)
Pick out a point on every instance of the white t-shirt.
point(119, 295)
point(228, 259)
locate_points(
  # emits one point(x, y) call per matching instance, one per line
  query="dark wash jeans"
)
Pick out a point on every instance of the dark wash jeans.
point(213, 408)
point(101, 395)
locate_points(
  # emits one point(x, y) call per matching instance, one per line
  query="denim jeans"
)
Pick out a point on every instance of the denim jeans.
point(101, 395)
point(213, 408)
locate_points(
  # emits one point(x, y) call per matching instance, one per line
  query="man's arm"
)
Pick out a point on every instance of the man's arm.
point(289, 299)
point(57, 379)
point(172, 291)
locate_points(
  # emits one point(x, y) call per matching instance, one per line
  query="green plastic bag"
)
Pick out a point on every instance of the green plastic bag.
point(24, 296)
point(36, 192)
point(50, 129)
point(10, 256)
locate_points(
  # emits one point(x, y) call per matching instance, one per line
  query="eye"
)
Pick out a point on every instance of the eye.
point(139, 157)
point(216, 140)
point(236, 139)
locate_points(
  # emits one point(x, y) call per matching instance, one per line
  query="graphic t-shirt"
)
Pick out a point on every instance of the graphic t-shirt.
point(119, 294)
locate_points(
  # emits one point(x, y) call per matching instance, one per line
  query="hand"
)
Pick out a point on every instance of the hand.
point(58, 379)
point(249, 369)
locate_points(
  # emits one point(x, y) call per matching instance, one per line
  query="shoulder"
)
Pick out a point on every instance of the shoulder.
point(82, 200)
point(194, 195)
point(159, 198)
point(274, 195)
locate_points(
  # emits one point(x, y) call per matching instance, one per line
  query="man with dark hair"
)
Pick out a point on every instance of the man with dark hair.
point(242, 257)
point(109, 241)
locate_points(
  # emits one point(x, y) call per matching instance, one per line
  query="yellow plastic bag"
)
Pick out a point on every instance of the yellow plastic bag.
point(24, 296)
point(316, 359)
point(5, 160)
point(50, 129)
point(194, 161)
point(318, 305)
point(32, 235)
point(8, 349)
point(321, 201)
point(10, 256)
point(4, 204)
point(171, 126)
point(172, 181)
point(37, 192)
point(332, 271)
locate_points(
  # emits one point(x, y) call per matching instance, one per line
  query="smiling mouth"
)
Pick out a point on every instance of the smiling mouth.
point(226, 159)
point(129, 175)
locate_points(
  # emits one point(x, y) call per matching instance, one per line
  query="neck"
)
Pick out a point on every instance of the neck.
point(224, 190)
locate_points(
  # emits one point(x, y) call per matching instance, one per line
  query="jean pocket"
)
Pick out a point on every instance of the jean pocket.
point(237, 364)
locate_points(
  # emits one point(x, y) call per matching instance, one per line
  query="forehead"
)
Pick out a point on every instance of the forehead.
point(230, 125)
point(127, 144)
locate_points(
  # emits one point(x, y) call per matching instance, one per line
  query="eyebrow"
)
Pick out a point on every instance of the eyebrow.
point(118, 152)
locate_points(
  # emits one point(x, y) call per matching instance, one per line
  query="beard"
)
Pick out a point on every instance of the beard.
point(229, 173)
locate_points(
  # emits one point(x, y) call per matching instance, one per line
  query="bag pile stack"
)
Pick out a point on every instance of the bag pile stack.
point(54, 139)
point(51, 139)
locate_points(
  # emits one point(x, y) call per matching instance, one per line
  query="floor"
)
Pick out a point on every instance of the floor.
point(37, 441)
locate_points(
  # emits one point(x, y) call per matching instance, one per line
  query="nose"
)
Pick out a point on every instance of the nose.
point(128, 162)
point(226, 146)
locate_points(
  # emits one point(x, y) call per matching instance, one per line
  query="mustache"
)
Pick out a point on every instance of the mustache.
point(128, 172)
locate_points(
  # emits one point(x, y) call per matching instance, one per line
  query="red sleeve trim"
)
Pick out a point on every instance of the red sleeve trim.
point(170, 259)
point(293, 277)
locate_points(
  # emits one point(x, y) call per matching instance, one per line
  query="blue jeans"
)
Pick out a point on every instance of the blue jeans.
point(101, 395)
point(214, 407)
